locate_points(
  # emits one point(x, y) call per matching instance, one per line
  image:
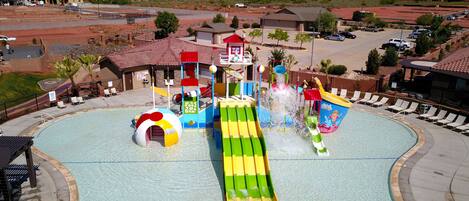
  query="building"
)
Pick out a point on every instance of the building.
point(293, 18)
point(133, 68)
point(213, 33)
point(446, 81)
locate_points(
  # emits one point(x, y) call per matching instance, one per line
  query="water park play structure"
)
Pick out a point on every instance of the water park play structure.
point(236, 121)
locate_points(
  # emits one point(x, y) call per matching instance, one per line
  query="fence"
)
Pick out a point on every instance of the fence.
point(369, 85)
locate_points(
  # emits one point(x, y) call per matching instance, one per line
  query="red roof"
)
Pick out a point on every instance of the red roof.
point(457, 62)
point(163, 52)
point(235, 38)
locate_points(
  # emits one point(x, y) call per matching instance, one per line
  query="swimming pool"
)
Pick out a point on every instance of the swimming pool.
point(96, 147)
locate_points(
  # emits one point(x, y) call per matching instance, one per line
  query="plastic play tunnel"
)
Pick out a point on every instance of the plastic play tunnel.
point(333, 110)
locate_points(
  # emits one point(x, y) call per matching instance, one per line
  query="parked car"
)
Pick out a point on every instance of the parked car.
point(348, 34)
point(29, 4)
point(399, 42)
point(451, 17)
point(6, 4)
point(416, 33)
point(240, 5)
point(388, 45)
point(336, 37)
point(373, 29)
point(6, 38)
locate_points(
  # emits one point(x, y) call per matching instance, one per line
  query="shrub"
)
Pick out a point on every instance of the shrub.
point(34, 41)
point(390, 57)
point(255, 25)
point(387, 2)
point(190, 31)
point(337, 69)
point(246, 25)
point(425, 19)
point(448, 47)
point(408, 52)
point(441, 55)
point(422, 44)
point(219, 18)
point(372, 65)
point(359, 15)
point(234, 22)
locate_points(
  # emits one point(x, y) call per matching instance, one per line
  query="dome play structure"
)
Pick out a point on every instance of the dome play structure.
point(157, 123)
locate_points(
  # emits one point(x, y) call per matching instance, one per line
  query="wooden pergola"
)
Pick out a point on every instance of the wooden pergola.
point(10, 148)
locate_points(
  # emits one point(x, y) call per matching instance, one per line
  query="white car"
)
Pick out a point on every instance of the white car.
point(240, 5)
point(399, 42)
point(29, 4)
point(6, 38)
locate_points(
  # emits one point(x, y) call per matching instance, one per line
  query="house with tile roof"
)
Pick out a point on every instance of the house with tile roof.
point(446, 81)
point(293, 18)
point(133, 68)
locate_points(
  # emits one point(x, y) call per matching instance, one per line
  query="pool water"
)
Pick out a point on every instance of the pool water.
point(97, 148)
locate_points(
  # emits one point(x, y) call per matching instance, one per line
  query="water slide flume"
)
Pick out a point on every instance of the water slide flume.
point(246, 166)
point(311, 123)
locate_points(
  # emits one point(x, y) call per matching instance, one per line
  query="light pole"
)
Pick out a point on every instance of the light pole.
point(213, 70)
point(261, 69)
point(312, 51)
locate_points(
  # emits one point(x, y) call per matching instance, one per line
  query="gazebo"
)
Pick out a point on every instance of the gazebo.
point(12, 176)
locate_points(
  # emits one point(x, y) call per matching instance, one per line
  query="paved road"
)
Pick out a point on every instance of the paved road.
point(22, 52)
point(352, 52)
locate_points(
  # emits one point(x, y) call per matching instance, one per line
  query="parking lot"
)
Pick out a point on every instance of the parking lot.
point(352, 53)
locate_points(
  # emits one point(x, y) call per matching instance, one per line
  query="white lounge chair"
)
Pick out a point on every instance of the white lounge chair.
point(80, 100)
point(411, 109)
point(106, 93)
point(441, 114)
point(403, 106)
point(366, 98)
point(373, 99)
point(343, 93)
point(381, 102)
point(430, 112)
point(113, 91)
point(334, 91)
point(396, 104)
point(459, 122)
point(356, 96)
point(74, 100)
point(463, 127)
point(61, 105)
point(450, 118)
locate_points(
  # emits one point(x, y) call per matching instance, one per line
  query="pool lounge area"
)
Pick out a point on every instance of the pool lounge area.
point(360, 160)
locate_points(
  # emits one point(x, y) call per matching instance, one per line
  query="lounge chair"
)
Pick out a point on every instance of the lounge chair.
point(450, 118)
point(373, 99)
point(334, 91)
point(396, 104)
point(463, 127)
point(343, 93)
point(80, 100)
point(383, 101)
point(61, 105)
point(113, 91)
point(106, 93)
point(74, 100)
point(366, 98)
point(459, 122)
point(356, 96)
point(441, 114)
point(411, 109)
point(403, 107)
point(430, 112)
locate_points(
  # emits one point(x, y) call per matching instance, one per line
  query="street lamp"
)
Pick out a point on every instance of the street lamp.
point(261, 69)
point(213, 70)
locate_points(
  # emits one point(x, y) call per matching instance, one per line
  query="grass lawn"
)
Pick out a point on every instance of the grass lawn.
point(16, 88)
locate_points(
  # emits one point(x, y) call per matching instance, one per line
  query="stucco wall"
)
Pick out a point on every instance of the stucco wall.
point(204, 37)
point(272, 24)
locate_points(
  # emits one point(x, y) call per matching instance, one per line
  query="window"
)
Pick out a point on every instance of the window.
point(168, 73)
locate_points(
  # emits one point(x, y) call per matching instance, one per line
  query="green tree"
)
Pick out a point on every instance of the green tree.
point(374, 59)
point(425, 20)
point(302, 38)
point(219, 18)
point(88, 62)
point(234, 22)
point(337, 69)
point(276, 58)
point(190, 31)
point(279, 35)
point(67, 68)
point(255, 33)
point(390, 57)
point(167, 23)
point(422, 44)
point(290, 61)
point(327, 22)
point(324, 67)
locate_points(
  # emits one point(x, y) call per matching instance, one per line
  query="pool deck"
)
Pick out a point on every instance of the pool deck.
point(439, 169)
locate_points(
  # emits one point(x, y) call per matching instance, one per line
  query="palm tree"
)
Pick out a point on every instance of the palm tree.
point(289, 62)
point(67, 68)
point(325, 65)
point(88, 61)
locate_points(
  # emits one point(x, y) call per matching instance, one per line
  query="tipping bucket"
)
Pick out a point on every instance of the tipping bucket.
point(332, 111)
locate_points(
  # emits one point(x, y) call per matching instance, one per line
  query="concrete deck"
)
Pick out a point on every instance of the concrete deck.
point(438, 171)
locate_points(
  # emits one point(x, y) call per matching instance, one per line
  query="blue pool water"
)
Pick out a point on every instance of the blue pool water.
point(97, 148)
